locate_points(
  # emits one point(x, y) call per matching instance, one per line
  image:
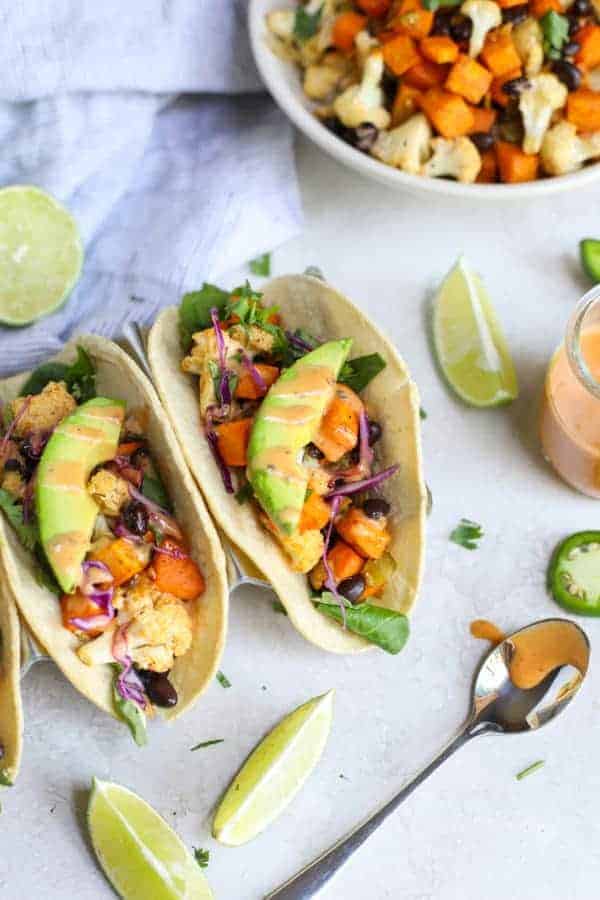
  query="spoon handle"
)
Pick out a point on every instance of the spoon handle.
point(308, 882)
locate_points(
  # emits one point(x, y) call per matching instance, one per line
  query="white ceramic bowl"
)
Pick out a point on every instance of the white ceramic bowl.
point(283, 82)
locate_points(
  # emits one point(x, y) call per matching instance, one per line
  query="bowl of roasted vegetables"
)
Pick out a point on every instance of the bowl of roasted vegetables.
point(474, 96)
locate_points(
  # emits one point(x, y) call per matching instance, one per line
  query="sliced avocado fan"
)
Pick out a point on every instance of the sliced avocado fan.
point(66, 512)
point(288, 420)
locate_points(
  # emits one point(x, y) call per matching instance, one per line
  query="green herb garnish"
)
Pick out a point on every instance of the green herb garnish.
point(4, 779)
point(202, 856)
point(422, 413)
point(357, 373)
point(245, 493)
point(154, 490)
point(433, 5)
point(466, 534)
point(80, 377)
point(27, 534)
point(156, 531)
point(279, 607)
point(207, 744)
point(223, 680)
point(261, 265)
point(530, 769)
point(306, 24)
point(383, 627)
point(555, 29)
point(129, 712)
point(194, 311)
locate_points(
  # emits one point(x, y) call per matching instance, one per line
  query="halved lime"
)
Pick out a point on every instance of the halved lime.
point(469, 343)
point(40, 254)
point(140, 854)
point(274, 772)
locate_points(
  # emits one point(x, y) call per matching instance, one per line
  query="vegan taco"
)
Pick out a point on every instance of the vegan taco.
point(300, 423)
point(106, 546)
point(11, 714)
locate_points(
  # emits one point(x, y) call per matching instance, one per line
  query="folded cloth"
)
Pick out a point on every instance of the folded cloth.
point(168, 190)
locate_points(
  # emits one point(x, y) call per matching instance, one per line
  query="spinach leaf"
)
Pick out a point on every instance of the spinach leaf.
point(306, 24)
point(194, 312)
point(27, 534)
point(357, 373)
point(383, 627)
point(154, 490)
point(261, 265)
point(43, 573)
point(130, 713)
point(80, 377)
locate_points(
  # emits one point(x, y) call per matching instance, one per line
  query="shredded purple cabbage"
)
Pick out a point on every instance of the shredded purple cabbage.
point(157, 514)
point(330, 582)
point(11, 428)
point(129, 684)
point(213, 443)
point(257, 378)
point(299, 342)
point(91, 623)
point(364, 485)
point(120, 530)
point(98, 585)
point(28, 500)
point(173, 552)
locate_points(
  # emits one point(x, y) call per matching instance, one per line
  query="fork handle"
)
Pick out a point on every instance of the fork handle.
point(308, 882)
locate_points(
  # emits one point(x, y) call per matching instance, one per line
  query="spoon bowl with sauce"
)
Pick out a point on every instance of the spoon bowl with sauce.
point(526, 680)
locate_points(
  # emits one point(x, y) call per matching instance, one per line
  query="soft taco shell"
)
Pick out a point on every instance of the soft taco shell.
point(118, 376)
point(307, 302)
point(11, 713)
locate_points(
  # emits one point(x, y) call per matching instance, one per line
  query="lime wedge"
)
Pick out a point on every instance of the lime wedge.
point(140, 854)
point(40, 254)
point(469, 344)
point(274, 772)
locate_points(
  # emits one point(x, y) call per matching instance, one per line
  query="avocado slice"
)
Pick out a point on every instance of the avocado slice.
point(288, 420)
point(65, 511)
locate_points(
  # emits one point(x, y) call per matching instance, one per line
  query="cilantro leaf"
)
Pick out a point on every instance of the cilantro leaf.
point(384, 627)
point(194, 311)
point(261, 265)
point(357, 373)
point(433, 5)
point(555, 29)
point(201, 856)
point(306, 24)
point(80, 377)
point(207, 744)
point(466, 534)
point(27, 534)
point(223, 680)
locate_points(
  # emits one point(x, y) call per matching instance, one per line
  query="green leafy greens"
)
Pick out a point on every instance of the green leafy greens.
point(129, 712)
point(80, 377)
point(357, 373)
point(306, 24)
point(433, 5)
point(154, 490)
point(194, 311)
point(245, 493)
point(555, 29)
point(466, 534)
point(383, 627)
point(27, 534)
point(4, 779)
point(207, 744)
point(261, 265)
point(201, 856)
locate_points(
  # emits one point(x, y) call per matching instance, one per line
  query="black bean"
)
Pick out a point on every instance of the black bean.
point(365, 136)
point(574, 23)
point(135, 518)
point(13, 465)
point(376, 508)
point(158, 688)
point(389, 85)
point(515, 14)
point(352, 588)
point(460, 28)
point(483, 140)
point(566, 72)
point(442, 22)
point(313, 451)
point(140, 458)
point(515, 86)
point(375, 432)
point(509, 126)
point(581, 7)
point(570, 49)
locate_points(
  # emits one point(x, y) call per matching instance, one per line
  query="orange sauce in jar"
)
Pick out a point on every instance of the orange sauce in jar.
point(570, 417)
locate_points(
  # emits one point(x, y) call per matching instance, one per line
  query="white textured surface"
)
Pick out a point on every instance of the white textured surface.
point(472, 831)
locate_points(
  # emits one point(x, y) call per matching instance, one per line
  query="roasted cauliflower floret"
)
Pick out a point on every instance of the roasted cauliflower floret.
point(528, 40)
point(457, 158)
point(109, 491)
point(203, 352)
point(322, 79)
point(564, 151)
point(157, 636)
point(405, 147)
point(364, 102)
point(537, 103)
point(45, 410)
point(303, 549)
point(280, 22)
point(136, 598)
point(485, 15)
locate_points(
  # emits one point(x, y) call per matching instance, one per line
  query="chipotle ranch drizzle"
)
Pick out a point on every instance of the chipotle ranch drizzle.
point(67, 475)
point(540, 650)
point(64, 549)
point(283, 463)
point(305, 382)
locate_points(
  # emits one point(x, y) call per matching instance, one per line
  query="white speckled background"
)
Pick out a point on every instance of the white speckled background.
point(472, 831)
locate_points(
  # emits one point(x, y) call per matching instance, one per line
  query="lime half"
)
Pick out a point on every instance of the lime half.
point(468, 340)
point(141, 855)
point(274, 772)
point(40, 254)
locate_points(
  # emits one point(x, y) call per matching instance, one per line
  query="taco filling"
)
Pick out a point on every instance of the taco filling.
point(290, 432)
point(79, 486)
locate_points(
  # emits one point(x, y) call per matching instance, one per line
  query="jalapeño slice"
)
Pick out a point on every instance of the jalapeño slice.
point(574, 573)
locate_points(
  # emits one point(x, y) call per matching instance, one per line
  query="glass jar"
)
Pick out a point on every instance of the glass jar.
point(570, 416)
